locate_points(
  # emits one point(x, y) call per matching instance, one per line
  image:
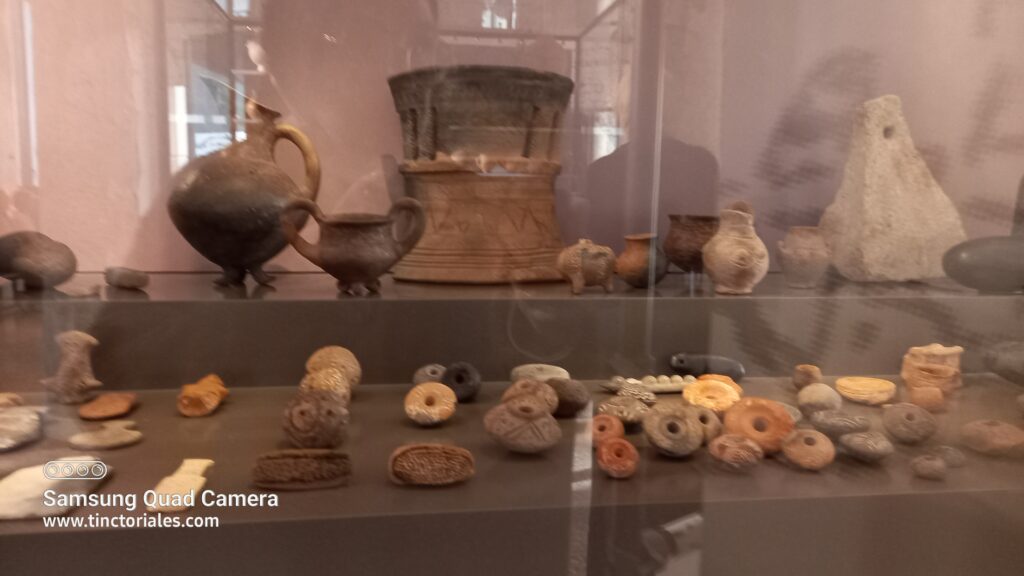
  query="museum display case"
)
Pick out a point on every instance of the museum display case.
point(652, 287)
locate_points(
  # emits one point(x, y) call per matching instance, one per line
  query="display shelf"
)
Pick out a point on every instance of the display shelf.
point(182, 327)
point(561, 486)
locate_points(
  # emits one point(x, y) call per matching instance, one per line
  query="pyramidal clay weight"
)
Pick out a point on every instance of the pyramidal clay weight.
point(890, 220)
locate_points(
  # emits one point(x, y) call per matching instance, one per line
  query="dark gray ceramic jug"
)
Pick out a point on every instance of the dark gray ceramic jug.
point(993, 264)
point(228, 205)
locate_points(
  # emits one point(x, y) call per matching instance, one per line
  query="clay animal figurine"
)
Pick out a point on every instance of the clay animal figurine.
point(587, 264)
point(735, 258)
point(643, 263)
point(357, 248)
point(203, 397)
point(697, 364)
point(228, 205)
point(36, 259)
point(74, 382)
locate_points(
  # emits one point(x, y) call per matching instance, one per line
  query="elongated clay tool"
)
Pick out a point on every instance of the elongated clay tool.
point(188, 478)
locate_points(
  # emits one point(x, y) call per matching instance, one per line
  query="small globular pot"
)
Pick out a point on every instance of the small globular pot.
point(357, 248)
point(736, 259)
point(643, 263)
point(686, 238)
point(805, 257)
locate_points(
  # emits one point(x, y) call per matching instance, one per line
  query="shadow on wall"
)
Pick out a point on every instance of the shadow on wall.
point(617, 198)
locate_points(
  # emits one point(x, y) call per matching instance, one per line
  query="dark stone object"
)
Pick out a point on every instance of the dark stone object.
point(1007, 360)
point(463, 379)
point(836, 423)
point(229, 205)
point(36, 259)
point(302, 469)
point(868, 447)
point(992, 264)
point(697, 364)
point(573, 396)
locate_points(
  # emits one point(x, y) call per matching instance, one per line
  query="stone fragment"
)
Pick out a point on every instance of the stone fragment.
point(629, 410)
point(126, 278)
point(22, 491)
point(171, 490)
point(302, 469)
point(867, 447)
point(993, 438)
point(604, 427)
point(316, 418)
point(430, 465)
point(74, 382)
point(617, 458)
point(1007, 360)
point(836, 423)
point(110, 435)
point(430, 403)
point(339, 358)
point(890, 220)
point(428, 373)
point(108, 405)
point(735, 453)
point(674, 433)
point(764, 421)
point(809, 449)
point(19, 426)
point(573, 396)
point(203, 397)
point(871, 391)
point(638, 391)
point(714, 395)
point(909, 423)
point(523, 424)
point(929, 467)
point(330, 380)
point(804, 374)
point(537, 388)
point(686, 363)
point(710, 423)
point(9, 399)
point(464, 379)
point(817, 397)
point(542, 372)
point(953, 457)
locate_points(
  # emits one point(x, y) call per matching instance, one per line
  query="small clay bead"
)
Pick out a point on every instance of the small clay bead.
point(835, 423)
point(430, 465)
point(604, 427)
point(709, 421)
point(428, 373)
point(617, 457)
point(523, 424)
point(953, 457)
point(316, 419)
point(573, 396)
point(763, 421)
point(908, 423)
point(630, 410)
point(674, 433)
point(464, 379)
point(817, 397)
point(809, 449)
point(805, 374)
point(735, 453)
point(867, 447)
point(535, 387)
point(430, 403)
point(929, 467)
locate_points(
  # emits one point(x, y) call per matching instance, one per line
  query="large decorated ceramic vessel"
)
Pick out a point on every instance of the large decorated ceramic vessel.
point(228, 205)
point(481, 152)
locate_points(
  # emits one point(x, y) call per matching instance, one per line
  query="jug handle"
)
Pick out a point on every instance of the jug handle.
point(417, 223)
point(310, 158)
point(310, 251)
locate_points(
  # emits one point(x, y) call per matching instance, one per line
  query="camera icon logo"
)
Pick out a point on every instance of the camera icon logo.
point(75, 470)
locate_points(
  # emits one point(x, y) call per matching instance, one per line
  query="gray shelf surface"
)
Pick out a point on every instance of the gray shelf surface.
point(751, 520)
